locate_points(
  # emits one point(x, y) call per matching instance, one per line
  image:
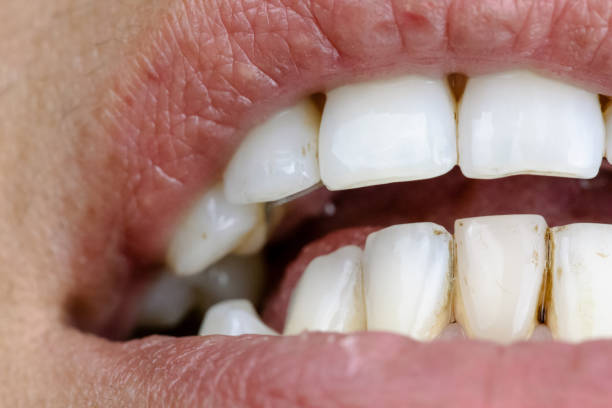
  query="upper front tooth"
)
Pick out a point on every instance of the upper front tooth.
point(581, 278)
point(329, 295)
point(521, 123)
point(212, 229)
point(500, 268)
point(233, 318)
point(407, 279)
point(277, 158)
point(381, 132)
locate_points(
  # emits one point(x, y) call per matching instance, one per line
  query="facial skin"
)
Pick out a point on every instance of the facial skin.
point(114, 114)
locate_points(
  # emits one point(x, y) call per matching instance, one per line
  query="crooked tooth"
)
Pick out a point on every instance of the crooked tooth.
point(233, 277)
point(329, 295)
point(386, 131)
point(520, 123)
point(581, 280)
point(407, 280)
point(212, 229)
point(233, 318)
point(500, 267)
point(277, 158)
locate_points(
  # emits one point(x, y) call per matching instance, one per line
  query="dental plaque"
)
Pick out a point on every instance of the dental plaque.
point(409, 205)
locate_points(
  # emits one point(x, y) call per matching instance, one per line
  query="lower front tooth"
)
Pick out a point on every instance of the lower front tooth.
point(581, 279)
point(212, 230)
point(233, 318)
point(407, 280)
point(500, 268)
point(329, 295)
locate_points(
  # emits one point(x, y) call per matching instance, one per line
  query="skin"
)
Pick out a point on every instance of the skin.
point(114, 115)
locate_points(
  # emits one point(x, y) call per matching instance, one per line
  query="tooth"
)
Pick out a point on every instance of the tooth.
point(233, 318)
point(407, 280)
point(234, 277)
point(581, 279)
point(608, 120)
point(329, 295)
point(500, 267)
point(213, 228)
point(387, 131)
point(255, 240)
point(520, 123)
point(165, 303)
point(277, 158)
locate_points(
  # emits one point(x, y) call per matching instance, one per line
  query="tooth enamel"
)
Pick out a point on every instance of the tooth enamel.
point(234, 277)
point(254, 241)
point(233, 318)
point(407, 280)
point(277, 158)
point(386, 131)
point(520, 123)
point(608, 120)
point(581, 280)
point(500, 267)
point(329, 295)
point(213, 228)
point(166, 302)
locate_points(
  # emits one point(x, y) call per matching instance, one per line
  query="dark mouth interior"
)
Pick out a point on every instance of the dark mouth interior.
point(441, 200)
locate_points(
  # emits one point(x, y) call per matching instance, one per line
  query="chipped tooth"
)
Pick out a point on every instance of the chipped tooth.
point(277, 159)
point(387, 131)
point(233, 277)
point(407, 279)
point(500, 264)
point(233, 318)
point(212, 229)
point(580, 278)
point(165, 303)
point(329, 295)
point(521, 123)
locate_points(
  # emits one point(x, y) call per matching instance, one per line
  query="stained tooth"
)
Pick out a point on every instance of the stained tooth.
point(234, 277)
point(166, 302)
point(407, 280)
point(581, 280)
point(520, 123)
point(386, 131)
point(277, 158)
point(329, 295)
point(212, 229)
point(233, 318)
point(500, 267)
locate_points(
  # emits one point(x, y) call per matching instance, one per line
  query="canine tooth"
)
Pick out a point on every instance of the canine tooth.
point(212, 229)
point(277, 159)
point(165, 303)
point(387, 131)
point(233, 318)
point(407, 280)
point(500, 267)
point(329, 295)
point(581, 280)
point(521, 123)
point(234, 277)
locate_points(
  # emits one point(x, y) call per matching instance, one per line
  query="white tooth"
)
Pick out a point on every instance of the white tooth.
point(233, 318)
point(520, 123)
point(166, 302)
point(407, 280)
point(500, 268)
point(234, 277)
point(329, 295)
point(386, 131)
point(608, 120)
point(277, 158)
point(581, 280)
point(254, 241)
point(212, 229)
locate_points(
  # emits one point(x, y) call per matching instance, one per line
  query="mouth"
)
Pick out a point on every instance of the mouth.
point(422, 184)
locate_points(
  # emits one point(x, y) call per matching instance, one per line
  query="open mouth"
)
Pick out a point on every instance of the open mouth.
point(420, 229)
